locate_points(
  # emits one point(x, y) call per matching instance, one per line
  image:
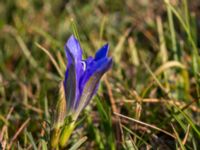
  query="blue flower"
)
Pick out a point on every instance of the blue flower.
point(82, 76)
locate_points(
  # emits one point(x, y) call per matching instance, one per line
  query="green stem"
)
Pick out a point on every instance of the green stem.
point(66, 133)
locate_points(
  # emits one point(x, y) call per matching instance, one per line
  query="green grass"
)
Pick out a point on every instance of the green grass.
point(149, 99)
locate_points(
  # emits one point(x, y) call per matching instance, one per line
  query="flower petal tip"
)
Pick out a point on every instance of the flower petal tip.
point(73, 48)
point(102, 52)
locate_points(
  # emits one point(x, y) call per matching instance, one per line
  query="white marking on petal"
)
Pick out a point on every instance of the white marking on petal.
point(84, 65)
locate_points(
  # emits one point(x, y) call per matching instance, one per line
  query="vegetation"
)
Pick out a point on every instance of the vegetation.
point(150, 99)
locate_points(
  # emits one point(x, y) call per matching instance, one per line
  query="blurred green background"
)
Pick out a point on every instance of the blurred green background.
point(155, 77)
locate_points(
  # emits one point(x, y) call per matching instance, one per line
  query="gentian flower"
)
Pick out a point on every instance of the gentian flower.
point(82, 76)
point(79, 86)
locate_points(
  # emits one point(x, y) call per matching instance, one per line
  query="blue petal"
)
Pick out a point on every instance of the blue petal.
point(90, 80)
point(73, 49)
point(102, 52)
point(74, 71)
point(70, 86)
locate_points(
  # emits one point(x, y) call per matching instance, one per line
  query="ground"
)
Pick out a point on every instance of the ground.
point(148, 100)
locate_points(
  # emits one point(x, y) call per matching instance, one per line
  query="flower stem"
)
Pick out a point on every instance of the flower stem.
point(66, 133)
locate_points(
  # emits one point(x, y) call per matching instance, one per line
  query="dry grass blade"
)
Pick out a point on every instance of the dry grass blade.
point(112, 101)
point(116, 121)
point(186, 135)
point(118, 49)
point(138, 109)
point(37, 110)
point(4, 130)
point(163, 49)
point(78, 143)
point(145, 124)
point(178, 139)
point(154, 77)
point(179, 103)
point(51, 58)
point(168, 65)
point(133, 52)
point(18, 132)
